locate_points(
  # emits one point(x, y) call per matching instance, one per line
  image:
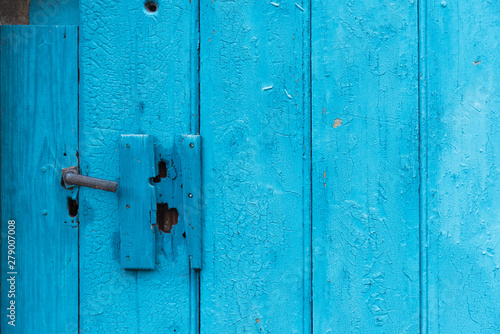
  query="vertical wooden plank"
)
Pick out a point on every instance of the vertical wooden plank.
point(463, 152)
point(137, 202)
point(191, 189)
point(14, 12)
point(38, 100)
point(365, 167)
point(254, 124)
point(135, 77)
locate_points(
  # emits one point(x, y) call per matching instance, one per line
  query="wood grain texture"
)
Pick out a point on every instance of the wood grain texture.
point(135, 77)
point(254, 124)
point(365, 167)
point(137, 200)
point(191, 192)
point(462, 141)
point(39, 104)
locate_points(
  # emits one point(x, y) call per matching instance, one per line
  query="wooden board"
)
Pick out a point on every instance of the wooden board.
point(256, 167)
point(39, 137)
point(191, 193)
point(365, 166)
point(136, 69)
point(137, 200)
point(461, 148)
point(400, 144)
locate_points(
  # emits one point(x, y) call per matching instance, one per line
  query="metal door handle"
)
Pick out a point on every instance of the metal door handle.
point(71, 177)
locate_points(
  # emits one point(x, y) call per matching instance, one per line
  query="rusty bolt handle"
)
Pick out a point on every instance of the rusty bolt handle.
point(71, 177)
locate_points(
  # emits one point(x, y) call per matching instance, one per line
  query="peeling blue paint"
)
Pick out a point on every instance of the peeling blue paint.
point(350, 177)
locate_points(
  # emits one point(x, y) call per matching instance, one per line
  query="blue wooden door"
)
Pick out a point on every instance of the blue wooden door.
point(349, 167)
point(365, 116)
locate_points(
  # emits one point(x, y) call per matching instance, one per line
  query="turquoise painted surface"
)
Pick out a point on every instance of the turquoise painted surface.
point(54, 12)
point(461, 146)
point(191, 192)
point(256, 158)
point(137, 200)
point(136, 71)
point(350, 169)
point(39, 137)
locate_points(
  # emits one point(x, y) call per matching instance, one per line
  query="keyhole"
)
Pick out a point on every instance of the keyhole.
point(72, 207)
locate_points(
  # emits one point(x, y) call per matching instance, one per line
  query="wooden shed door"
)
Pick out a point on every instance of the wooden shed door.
point(349, 167)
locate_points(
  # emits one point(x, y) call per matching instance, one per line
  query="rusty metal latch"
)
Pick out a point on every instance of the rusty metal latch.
point(71, 177)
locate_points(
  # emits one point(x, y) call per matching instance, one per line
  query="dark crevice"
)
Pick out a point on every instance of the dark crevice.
point(162, 172)
point(166, 218)
point(72, 207)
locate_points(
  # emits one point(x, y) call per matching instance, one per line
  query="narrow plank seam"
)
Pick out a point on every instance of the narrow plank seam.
point(422, 167)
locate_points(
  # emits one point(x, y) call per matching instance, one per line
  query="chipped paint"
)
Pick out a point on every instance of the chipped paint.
point(128, 86)
point(299, 6)
point(400, 171)
point(255, 168)
point(337, 122)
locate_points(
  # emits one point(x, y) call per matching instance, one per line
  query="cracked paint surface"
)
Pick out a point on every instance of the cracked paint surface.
point(254, 121)
point(135, 72)
point(365, 167)
point(463, 173)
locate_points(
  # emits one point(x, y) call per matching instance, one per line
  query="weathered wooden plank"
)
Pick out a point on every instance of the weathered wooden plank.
point(365, 167)
point(60, 12)
point(39, 104)
point(137, 200)
point(135, 71)
point(461, 120)
point(254, 124)
point(191, 189)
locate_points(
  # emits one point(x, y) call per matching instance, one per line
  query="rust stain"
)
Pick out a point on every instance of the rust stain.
point(337, 122)
point(257, 320)
point(324, 174)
